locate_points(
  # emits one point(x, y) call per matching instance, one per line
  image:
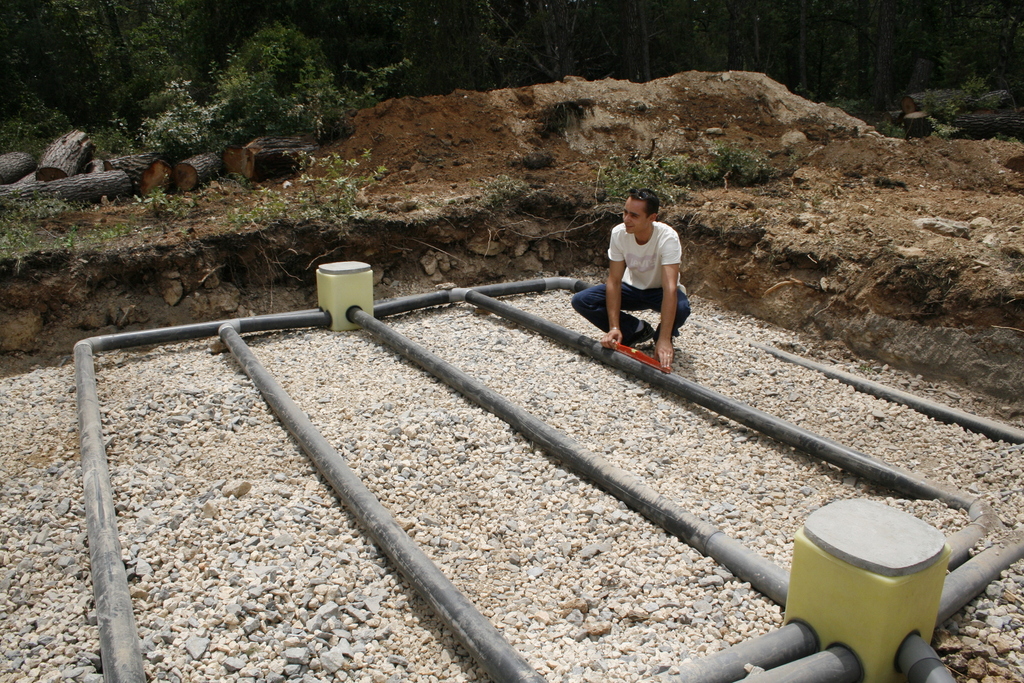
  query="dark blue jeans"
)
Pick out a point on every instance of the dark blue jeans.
point(590, 303)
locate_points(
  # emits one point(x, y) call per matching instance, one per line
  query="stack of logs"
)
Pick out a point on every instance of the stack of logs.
point(68, 171)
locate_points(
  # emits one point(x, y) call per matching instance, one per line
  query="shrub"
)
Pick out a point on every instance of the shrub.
point(184, 127)
point(503, 190)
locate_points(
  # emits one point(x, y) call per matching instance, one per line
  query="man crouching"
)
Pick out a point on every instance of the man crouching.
point(643, 276)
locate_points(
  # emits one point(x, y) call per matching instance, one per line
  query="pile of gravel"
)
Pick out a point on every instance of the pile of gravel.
point(243, 565)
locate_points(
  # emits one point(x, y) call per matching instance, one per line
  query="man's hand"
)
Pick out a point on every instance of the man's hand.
point(611, 338)
point(664, 353)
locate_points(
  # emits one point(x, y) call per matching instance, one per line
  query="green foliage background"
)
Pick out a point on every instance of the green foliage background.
point(185, 75)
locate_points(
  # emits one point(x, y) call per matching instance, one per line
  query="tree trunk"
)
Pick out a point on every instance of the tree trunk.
point(863, 10)
point(158, 174)
point(15, 165)
point(1007, 34)
point(197, 170)
point(134, 165)
point(801, 85)
point(981, 126)
point(922, 74)
point(97, 166)
point(268, 157)
point(84, 187)
point(734, 37)
point(636, 56)
point(65, 156)
point(883, 90)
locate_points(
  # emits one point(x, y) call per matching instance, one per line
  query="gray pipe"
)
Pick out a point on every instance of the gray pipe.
point(163, 335)
point(764, 575)
point(834, 665)
point(920, 663)
point(119, 636)
point(793, 641)
point(891, 477)
point(998, 431)
point(490, 650)
point(413, 302)
point(983, 520)
point(961, 586)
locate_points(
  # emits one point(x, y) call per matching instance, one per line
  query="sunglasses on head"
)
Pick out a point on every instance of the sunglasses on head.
point(643, 194)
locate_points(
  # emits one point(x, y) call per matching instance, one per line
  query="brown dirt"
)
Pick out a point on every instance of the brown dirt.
point(829, 248)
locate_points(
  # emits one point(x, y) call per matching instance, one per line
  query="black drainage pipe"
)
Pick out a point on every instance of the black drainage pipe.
point(793, 641)
point(993, 429)
point(413, 302)
point(834, 665)
point(764, 575)
point(874, 470)
point(164, 335)
point(119, 636)
point(961, 586)
point(490, 650)
point(122, 658)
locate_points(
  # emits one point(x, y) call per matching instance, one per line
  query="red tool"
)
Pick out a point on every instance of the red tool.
point(640, 356)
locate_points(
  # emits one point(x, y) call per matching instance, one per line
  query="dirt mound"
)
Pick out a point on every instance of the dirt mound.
point(560, 131)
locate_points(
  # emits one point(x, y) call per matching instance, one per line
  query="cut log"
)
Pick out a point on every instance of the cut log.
point(917, 124)
point(932, 100)
point(982, 126)
point(15, 165)
point(238, 160)
point(84, 187)
point(65, 156)
point(268, 157)
point(196, 171)
point(98, 165)
point(158, 174)
point(134, 165)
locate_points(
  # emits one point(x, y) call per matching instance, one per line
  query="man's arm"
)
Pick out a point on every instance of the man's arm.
point(669, 286)
point(613, 302)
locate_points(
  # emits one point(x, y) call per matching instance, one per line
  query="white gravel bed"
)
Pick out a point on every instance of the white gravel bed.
point(244, 566)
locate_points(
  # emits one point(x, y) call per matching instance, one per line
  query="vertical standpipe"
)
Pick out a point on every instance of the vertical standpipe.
point(341, 285)
point(866, 576)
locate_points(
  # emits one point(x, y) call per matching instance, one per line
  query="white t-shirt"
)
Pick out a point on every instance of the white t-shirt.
point(644, 261)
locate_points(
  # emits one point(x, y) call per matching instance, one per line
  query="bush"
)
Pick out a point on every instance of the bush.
point(33, 128)
point(503, 190)
point(655, 174)
point(739, 166)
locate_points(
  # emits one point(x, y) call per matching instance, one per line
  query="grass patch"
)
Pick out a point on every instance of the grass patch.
point(670, 177)
point(20, 225)
point(329, 192)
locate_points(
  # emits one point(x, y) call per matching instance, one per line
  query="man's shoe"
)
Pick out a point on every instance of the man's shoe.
point(645, 335)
